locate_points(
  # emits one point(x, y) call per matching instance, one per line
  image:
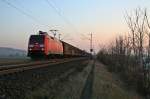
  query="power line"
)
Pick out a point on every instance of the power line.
point(67, 21)
point(24, 13)
point(60, 14)
point(58, 11)
point(55, 5)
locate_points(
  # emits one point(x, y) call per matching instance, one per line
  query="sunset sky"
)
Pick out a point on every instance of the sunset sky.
point(75, 20)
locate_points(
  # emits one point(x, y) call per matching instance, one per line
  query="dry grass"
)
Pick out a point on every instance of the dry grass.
point(106, 86)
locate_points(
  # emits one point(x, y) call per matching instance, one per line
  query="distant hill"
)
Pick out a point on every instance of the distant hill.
point(6, 52)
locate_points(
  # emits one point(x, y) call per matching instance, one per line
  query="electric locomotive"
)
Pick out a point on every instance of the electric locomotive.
point(43, 45)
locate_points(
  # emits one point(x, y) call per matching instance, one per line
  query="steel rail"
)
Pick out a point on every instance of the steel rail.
point(4, 67)
point(15, 69)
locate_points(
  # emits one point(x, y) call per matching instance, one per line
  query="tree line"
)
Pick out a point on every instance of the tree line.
point(129, 54)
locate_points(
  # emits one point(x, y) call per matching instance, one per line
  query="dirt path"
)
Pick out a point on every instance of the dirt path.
point(88, 86)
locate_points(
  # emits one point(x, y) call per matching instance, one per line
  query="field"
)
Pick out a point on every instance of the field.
point(7, 61)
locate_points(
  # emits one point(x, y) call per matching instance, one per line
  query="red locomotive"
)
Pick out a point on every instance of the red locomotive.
point(43, 45)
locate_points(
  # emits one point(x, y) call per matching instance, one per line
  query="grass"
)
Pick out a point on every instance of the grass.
point(107, 86)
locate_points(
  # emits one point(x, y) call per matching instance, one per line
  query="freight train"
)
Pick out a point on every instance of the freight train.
point(43, 45)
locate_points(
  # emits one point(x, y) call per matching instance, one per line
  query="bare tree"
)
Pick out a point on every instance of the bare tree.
point(137, 25)
point(148, 31)
point(132, 26)
point(127, 45)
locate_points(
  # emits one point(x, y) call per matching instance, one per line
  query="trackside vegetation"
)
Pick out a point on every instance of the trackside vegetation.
point(129, 55)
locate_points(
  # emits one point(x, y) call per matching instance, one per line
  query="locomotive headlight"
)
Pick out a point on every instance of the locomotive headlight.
point(31, 45)
point(42, 49)
point(30, 49)
point(41, 45)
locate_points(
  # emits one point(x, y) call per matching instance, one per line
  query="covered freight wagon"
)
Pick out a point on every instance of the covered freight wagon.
point(69, 50)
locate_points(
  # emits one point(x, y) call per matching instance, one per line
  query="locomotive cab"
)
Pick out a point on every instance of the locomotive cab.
point(36, 45)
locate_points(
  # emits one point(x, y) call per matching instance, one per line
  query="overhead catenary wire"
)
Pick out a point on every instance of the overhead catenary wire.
point(66, 20)
point(25, 13)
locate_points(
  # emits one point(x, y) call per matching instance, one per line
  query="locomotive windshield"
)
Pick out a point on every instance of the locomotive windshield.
point(36, 39)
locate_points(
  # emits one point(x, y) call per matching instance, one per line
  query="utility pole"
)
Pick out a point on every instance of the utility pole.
point(54, 32)
point(91, 46)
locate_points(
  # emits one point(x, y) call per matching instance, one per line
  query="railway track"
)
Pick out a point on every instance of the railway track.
point(18, 82)
point(8, 69)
